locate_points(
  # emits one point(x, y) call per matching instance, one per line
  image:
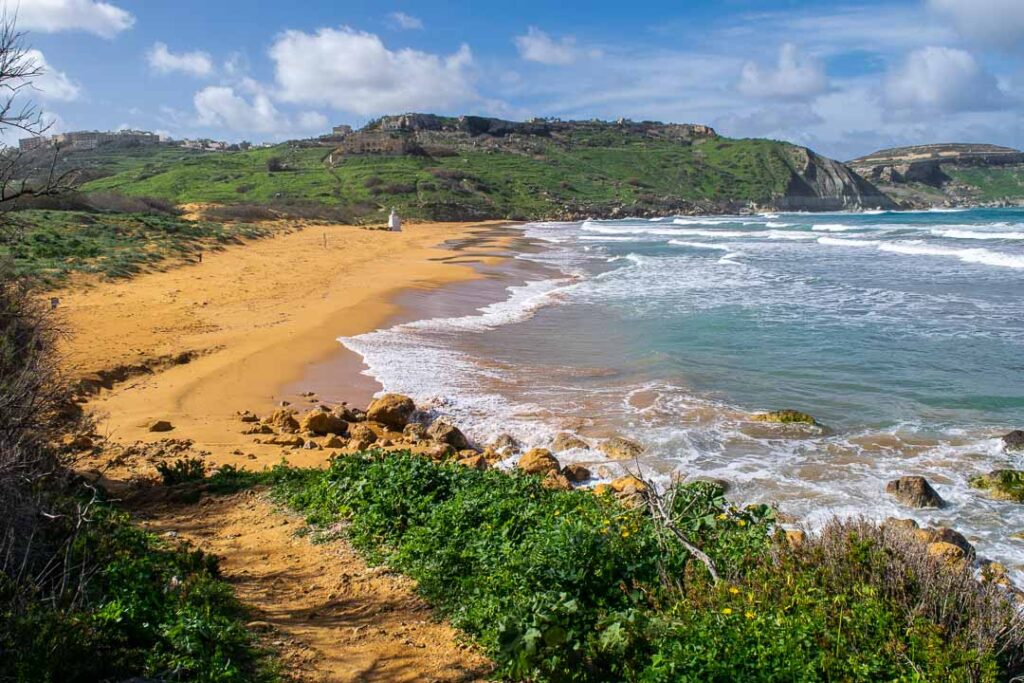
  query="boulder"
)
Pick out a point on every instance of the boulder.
point(414, 432)
point(914, 492)
point(259, 429)
point(506, 444)
point(1002, 484)
point(556, 482)
point(474, 462)
point(946, 535)
point(947, 552)
point(335, 442)
point(628, 484)
point(321, 423)
point(361, 437)
point(994, 572)
point(576, 473)
point(603, 489)
point(391, 410)
point(78, 442)
point(442, 431)
point(538, 461)
point(1014, 440)
point(618, 448)
point(907, 525)
point(161, 426)
point(247, 416)
point(283, 419)
point(785, 417)
point(795, 538)
point(439, 452)
point(565, 441)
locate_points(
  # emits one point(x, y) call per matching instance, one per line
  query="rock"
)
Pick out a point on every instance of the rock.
point(946, 535)
point(900, 524)
point(618, 448)
point(259, 429)
point(795, 538)
point(556, 482)
point(474, 462)
point(414, 432)
point(160, 426)
point(1002, 484)
point(283, 419)
point(285, 404)
point(247, 416)
point(391, 410)
point(995, 573)
point(439, 452)
point(358, 416)
point(947, 552)
point(628, 484)
point(322, 423)
point(721, 485)
point(1019, 536)
point(1014, 440)
point(78, 442)
point(785, 417)
point(385, 443)
point(914, 492)
point(335, 441)
point(506, 444)
point(564, 441)
point(538, 461)
point(491, 455)
point(295, 441)
point(445, 432)
point(576, 473)
point(311, 446)
point(602, 489)
point(361, 437)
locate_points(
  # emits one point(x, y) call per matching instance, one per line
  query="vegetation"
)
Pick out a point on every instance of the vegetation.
point(592, 168)
point(49, 244)
point(572, 586)
point(991, 183)
point(1002, 484)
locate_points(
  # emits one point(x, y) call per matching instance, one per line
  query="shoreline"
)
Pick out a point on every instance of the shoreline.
point(252, 322)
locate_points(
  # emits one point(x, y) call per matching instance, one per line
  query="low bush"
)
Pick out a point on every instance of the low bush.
point(239, 212)
point(571, 586)
point(181, 471)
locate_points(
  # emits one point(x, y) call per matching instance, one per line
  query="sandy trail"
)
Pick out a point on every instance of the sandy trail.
point(258, 317)
point(330, 616)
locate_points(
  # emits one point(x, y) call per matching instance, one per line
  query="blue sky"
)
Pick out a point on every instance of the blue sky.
point(843, 78)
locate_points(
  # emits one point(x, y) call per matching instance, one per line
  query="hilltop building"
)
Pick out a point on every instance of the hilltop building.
point(89, 139)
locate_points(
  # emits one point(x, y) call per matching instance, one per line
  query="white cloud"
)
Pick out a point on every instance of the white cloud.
point(50, 16)
point(998, 22)
point(354, 71)
point(538, 46)
point(249, 109)
point(163, 61)
point(942, 79)
point(405, 21)
point(794, 76)
point(51, 84)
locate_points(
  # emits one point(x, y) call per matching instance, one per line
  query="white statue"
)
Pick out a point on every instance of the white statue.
point(394, 222)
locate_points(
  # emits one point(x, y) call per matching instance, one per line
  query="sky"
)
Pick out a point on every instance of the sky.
point(842, 78)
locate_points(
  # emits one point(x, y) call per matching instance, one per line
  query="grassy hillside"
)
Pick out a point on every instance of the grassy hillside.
point(991, 184)
point(592, 171)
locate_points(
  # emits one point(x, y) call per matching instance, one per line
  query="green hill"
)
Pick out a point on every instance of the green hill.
point(442, 168)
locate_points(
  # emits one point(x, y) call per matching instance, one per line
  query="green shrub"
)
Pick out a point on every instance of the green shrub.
point(182, 470)
point(569, 586)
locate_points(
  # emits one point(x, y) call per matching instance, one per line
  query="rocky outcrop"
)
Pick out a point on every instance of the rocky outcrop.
point(822, 184)
point(538, 461)
point(443, 431)
point(1002, 484)
point(914, 492)
point(564, 441)
point(619, 448)
point(1014, 440)
point(785, 417)
point(322, 422)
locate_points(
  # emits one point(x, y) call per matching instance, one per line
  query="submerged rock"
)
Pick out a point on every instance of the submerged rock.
point(391, 410)
point(506, 444)
point(538, 461)
point(442, 431)
point(1002, 484)
point(619, 448)
point(1014, 440)
point(565, 441)
point(914, 492)
point(576, 472)
point(785, 417)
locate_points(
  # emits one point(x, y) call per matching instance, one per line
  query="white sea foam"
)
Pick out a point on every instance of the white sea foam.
point(834, 227)
point(978, 234)
point(847, 242)
point(785, 235)
point(699, 245)
point(979, 256)
point(777, 224)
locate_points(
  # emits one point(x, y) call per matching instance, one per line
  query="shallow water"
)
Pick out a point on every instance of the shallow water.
point(903, 332)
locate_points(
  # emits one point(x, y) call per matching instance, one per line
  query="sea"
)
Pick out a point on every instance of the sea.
point(901, 332)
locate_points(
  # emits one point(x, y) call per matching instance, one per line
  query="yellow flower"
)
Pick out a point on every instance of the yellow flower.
point(749, 615)
point(734, 590)
point(625, 534)
point(557, 513)
point(741, 523)
point(727, 610)
point(723, 516)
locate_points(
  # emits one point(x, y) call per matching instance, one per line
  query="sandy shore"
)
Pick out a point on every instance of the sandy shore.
point(256, 317)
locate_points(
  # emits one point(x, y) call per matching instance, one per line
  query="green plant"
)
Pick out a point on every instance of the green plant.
point(182, 470)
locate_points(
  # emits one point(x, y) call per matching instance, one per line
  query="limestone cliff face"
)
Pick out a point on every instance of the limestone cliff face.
point(823, 184)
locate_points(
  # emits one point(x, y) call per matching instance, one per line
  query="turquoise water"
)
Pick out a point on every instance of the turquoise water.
point(903, 332)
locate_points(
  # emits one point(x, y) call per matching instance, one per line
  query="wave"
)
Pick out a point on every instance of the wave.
point(834, 227)
point(699, 245)
point(776, 224)
point(847, 242)
point(978, 235)
point(979, 256)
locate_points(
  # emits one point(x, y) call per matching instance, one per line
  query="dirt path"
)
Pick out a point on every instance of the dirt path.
point(332, 617)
